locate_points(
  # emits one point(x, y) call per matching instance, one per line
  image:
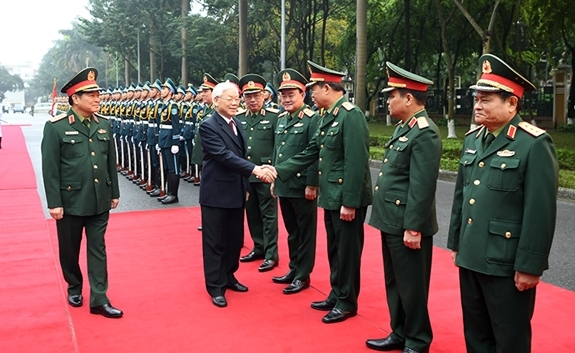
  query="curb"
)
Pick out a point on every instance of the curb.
point(448, 175)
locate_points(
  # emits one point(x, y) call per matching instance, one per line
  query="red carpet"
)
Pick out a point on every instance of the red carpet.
point(156, 278)
point(16, 171)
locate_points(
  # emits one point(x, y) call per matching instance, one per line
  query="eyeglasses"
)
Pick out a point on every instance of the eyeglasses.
point(231, 99)
point(250, 96)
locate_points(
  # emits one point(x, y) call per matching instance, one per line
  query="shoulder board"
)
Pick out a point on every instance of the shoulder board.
point(347, 106)
point(273, 110)
point(283, 114)
point(101, 116)
point(310, 113)
point(473, 130)
point(531, 129)
point(241, 111)
point(58, 117)
point(422, 123)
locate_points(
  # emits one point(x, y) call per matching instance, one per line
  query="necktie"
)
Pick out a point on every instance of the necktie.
point(233, 127)
point(488, 139)
point(87, 122)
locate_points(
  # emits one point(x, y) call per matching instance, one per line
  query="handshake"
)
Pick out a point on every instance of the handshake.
point(265, 173)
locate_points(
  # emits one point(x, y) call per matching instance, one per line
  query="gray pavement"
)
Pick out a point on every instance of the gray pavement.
point(561, 262)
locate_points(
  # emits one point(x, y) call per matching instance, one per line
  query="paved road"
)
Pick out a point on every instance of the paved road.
point(562, 259)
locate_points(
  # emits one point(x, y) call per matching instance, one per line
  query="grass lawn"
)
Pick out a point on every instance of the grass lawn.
point(564, 143)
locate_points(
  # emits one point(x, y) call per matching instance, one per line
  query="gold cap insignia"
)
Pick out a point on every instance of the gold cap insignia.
point(486, 69)
point(91, 75)
point(251, 84)
point(205, 78)
point(286, 76)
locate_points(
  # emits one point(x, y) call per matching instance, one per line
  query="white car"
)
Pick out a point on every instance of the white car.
point(42, 108)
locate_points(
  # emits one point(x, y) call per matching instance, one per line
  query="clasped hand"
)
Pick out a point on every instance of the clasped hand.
point(265, 173)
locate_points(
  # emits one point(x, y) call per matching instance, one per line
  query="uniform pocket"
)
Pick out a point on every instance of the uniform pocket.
point(398, 156)
point(394, 207)
point(333, 138)
point(465, 164)
point(503, 241)
point(504, 174)
point(72, 146)
point(103, 141)
point(70, 193)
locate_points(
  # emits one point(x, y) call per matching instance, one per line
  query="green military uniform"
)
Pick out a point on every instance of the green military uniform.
point(78, 167)
point(294, 132)
point(261, 206)
point(341, 148)
point(503, 220)
point(197, 153)
point(404, 199)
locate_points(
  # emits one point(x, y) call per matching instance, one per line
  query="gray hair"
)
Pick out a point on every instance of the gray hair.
point(224, 86)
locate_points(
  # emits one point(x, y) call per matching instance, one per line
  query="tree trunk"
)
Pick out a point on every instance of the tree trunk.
point(407, 5)
point(153, 69)
point(185, 10)
point(127, 70)
point(361, 54)
point(243, 40)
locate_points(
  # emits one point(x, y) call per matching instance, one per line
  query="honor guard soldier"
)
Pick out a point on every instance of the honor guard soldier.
point(270, 96)
point(297, 197)
point(404, 212)
point(153, 188)
point(503, 215)
point(169, 141)
point(341, 145)
point(259, 124)
point(181, 156)
point(116, 125)
point(188, 132)
point(81, 184)
point(140, 138)
point(135, 128)
point(208, 109)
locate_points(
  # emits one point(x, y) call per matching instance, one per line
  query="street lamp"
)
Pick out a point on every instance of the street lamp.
point(347, 82)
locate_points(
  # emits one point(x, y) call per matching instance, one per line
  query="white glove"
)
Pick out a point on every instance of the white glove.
point(158, 148)
point(139, 144)
point(181, 138)
point(175, 149)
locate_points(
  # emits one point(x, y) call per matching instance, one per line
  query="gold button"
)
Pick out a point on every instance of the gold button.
point(465, 163)
point(380, 173)
point(472, 202)
point(281, 154)
point(469, 221)
point(95, 180)
point(320, 159)
point(507, 235)
point(69, 188)
point(376, 188)
point(90, 140)
point(95, 167)
point(397, 202)
point(481, 164)
point(93, 154)
point(322, 133)
point(298, 175)
point(249, 147)
point(250, 137)
point(477, 182)
point(283, 143)
point(73, 141)
point(249, 157)
point(252, 129)
point(390, 147)
point(340, 181)
point(319, 173)
point(385, 160)
point(320, 146)
point(503, 165)
point(331, 133)
point(285, 131)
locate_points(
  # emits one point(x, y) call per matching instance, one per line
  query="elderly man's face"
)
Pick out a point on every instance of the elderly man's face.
point(492, 111)
point(207, 96)
point(254, 100)
point(227, 104)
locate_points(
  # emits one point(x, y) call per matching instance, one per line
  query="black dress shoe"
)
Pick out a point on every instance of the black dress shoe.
point(267, 265)
point(170, 199)
point(338, 315)
point(323, 305)
point(252, 256)
point(409, 350)
point(285, 279)
point(75, 300)
point(200, 228)
point(155, 193)
point(237, 287)
point(385, 344)
point(107, 310)
point(220, 301)
point(296, 286)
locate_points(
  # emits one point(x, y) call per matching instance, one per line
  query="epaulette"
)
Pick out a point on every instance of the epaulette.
point(422, 123)
point(240, 111)
point(273, 110)
point(310, 113)
point(58, 117)
point(284, 113)
point(347, 106)
point(531, 129)
point(101, 116)
point(473, 130)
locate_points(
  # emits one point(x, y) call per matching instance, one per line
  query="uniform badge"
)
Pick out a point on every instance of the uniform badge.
point(281, 126)
point(286, 76)
point(470, 151)
point(71, 132)
point(298, 125)
point(506, 153)
point(91, 75)
point(264, 122)
point(486, 67)
point(102, 131)
point(71, 119)
point(334, 123)
point(403, 139)
point(412, 122)
point(243, 122)
point(251, 84)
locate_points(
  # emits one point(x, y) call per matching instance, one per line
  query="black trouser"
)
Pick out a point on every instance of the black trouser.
point(69, 239)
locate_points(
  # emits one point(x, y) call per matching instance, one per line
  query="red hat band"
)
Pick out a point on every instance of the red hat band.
point(502, 83)
point(292, 84)
point(81, 86)
point(321, 76)
point(399, 82)
point(251, 85)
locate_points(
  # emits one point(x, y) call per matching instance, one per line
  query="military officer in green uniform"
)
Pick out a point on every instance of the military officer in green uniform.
point(404, 211)
point(81, 184)
point(503, 215)
point(341, 148)
point(297, 196)
point(259, 125)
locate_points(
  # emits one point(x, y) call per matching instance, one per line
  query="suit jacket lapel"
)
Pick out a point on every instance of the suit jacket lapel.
point(228, 130)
